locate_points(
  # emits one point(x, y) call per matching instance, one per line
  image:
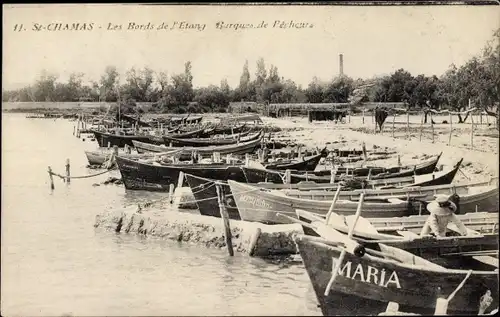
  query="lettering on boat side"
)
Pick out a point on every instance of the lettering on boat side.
point(130, 166)
point(367, 274)
point(255, 201)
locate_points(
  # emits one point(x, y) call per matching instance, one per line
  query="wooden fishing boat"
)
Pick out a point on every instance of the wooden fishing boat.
point(262, 205)
point(139, 175)
point(101, 156)
point(444, 250)
point(104, 139)
point(200, 142)
point(375, 172)
point(307, 163)
point(410, 187)
point(255, 175)
point(408, 170)
point(241, 148)
point(183, 135)
point(424, 186)
point(482, 222)
point(185, 119)
point(158, 139)
point(134, 120)
point(229, 129)
point(365, 284)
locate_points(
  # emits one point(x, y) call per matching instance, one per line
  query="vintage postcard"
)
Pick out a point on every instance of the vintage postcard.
point(250, 159)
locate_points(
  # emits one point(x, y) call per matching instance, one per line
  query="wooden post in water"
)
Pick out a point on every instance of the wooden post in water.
point(51, 178)
point(422, 125)
point(333, 173)
point(68, 174)
point(171, 193)
point(399, 160)
point(288, 177)
point(180, 180)
point(393, 119)
point(74, 129)
point(225, 219)
point(408, 125)
point(363, 116)
point(471, 131)
point(481, 118)
point(363, 147)
point(451, 130)
point(432, 129)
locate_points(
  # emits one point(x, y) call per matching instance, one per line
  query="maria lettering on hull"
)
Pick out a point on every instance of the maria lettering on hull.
point(367, 274)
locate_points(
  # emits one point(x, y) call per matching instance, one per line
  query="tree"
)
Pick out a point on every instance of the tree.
point(109, 84)
point(139, 84)
point(45, 87)
point(261, 73)
point(338, 90)
point(212, 98)
point(314, 91)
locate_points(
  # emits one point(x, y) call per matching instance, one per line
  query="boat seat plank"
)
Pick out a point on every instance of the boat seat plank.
point(407, 234)
point(486, 259)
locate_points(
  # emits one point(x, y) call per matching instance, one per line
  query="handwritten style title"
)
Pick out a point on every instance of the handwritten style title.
point(161, 26)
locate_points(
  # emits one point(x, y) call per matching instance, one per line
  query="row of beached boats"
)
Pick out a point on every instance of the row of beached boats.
point(361, 245)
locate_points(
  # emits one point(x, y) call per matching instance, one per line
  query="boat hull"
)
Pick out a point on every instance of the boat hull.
point(205, 194)
point(259, 205)
point(105, 139)
point(152, 177)
point(185, 153)
point(201, 142)
point(308, 164)
point(360, 288)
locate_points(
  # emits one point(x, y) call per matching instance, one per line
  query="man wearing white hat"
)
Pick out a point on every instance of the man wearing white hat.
point(442, 213)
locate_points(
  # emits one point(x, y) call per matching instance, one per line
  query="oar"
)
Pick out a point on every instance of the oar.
point(337, 193)
point(463, 173)
point(342, 254)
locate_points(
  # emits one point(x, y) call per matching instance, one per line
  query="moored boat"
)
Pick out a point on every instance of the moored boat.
point(138, 175)
point(480, 245)
point(262, 205)
point(314, 191)
point(366, 284)
point(200, 142)
point(255, 175)
point(425, 167)
point(101, 156)
point(306, 164)
point(104, 139)
point(241, 148)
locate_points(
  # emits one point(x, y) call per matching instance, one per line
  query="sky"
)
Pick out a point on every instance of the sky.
point(374, 40)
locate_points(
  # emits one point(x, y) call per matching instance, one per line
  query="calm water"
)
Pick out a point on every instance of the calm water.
point(55, 263)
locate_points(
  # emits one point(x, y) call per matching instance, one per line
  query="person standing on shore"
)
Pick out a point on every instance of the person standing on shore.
point(442, 212)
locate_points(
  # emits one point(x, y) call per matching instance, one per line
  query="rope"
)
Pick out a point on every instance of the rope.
point(203, 188)
point(85, 176)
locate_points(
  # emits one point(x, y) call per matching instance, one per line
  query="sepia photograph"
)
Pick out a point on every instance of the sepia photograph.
point(250, 159)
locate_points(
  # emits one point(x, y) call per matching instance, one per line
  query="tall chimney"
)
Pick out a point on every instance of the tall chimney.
point(341, 64)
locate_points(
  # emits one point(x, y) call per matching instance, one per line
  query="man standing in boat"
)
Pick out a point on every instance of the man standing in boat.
point(442, 213)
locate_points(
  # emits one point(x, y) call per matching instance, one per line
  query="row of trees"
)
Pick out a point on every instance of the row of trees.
point(478, 80)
